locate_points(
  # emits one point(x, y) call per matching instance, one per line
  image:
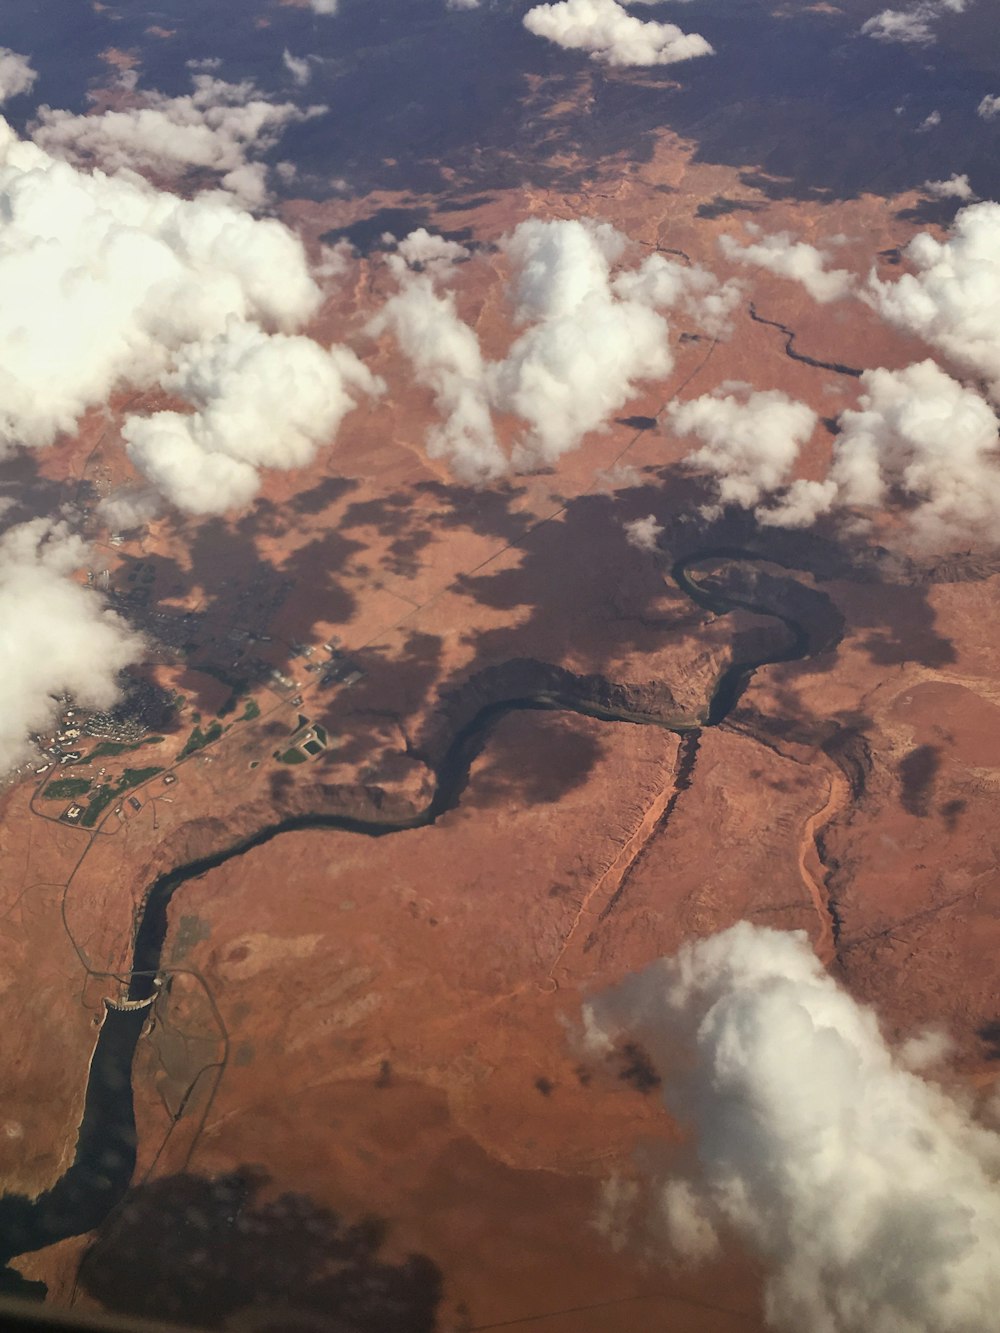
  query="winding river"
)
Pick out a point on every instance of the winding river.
point(105, 1154)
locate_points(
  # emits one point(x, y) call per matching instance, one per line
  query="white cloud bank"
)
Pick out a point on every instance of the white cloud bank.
point(261, 400)
point(952, 298)
point(106, 281)
point(584, 347)
point(955, 187)
point(644, 533)
point(920, 435)
point(216, 129)
point(870, 1195)
point(779, 253)
point(913, 26)
point(613, 36)
point(446, 357)
point(57, 636)
point(299, 67)
point(750, 440)
point(589, 337)
point(16, 74)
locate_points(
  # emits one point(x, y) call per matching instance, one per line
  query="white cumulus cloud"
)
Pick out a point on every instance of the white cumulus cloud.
point(749, 440)
point(665, 284)
point(261, 401)
point(952, 297)
point(955, 187)
point(446, 356)
point(780, 253)
point(218, 128)
point(644, 533)
point(106, 281)
point(913, 26)
point(869, 1195)
point(613, 36)
point(589, 336)
point(422, 249)
point(16, 74)
point(57, 636)
point(584, 347)
point(916, 433)
point(299, 67)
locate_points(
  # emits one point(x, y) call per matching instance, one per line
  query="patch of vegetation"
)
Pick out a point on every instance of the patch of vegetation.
point(251, 711)
point(108, 748)
point(106, 792)
point(292, 756)
point(320, 732)
point(134, 777)
point(199, 739)
point(64, 788)
point(99, 802)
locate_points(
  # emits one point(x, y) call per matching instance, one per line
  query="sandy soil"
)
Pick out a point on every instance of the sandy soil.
point(398, 1021)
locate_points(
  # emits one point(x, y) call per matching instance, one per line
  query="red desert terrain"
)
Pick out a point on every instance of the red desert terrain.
point(393, 1025)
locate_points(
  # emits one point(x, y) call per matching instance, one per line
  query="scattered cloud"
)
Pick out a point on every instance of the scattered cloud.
point(989, 107)
point(951, 298)
point(105, 280)
point(780, 253)
point(129, 507)
point(446, 357)
point(16, 74)
point(299, 67)
point(261, 401)
point(588, 338)
point(613, 36)
point(918, 435)
point(585, 347)
point(57, 636)
point(665, 284)
point(955, 187)
point(422, 249)
point(906, 26)
point(913, 26)
point(869, 1195)
point(750, 440)
point(218, 129)
point(617, 476)
point(644, 533)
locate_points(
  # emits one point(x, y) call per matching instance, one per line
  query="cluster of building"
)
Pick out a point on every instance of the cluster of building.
point(145, 707)
point(60, 748)
point(341, 669)
point(338, 669)
point(106, 726)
